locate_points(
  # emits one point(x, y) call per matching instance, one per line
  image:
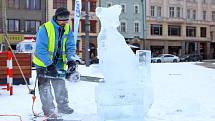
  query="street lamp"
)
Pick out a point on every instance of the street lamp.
point(87, 38)
point(4, 19)
point(144, 21)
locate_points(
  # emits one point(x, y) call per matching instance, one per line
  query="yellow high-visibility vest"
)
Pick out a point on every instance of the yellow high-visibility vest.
point(51, 44)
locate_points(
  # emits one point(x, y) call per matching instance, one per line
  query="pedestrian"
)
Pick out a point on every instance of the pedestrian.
point(55, 51)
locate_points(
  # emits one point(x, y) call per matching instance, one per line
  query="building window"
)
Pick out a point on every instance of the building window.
point(92, 6)
point(136, 27)
point(13, 3)
point(203, 31)
point(194, 14)
point(204, 1)
point(33, 4)
point(152, 10)
point(156, 29)
point(204, 15)
point(213, 15)
point(174, 30)
point(213, 1)
point(73, 25)
point(136, 9)
point(188, 13)
point(159, 11)
point(191, 0)
point(82, 22)
point(191, 31)
point(123, 27)
point(73, 5)
point(123, 8)
point(13, 25)
point(31, 26)
point(59, 3)
point(178, 12)
point(83, 5)
point(171, 12)
point(93, 26)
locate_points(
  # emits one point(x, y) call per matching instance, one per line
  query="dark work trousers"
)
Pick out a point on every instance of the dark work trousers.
point(46, 96)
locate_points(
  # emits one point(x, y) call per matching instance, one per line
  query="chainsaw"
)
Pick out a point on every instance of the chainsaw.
point(72, 76)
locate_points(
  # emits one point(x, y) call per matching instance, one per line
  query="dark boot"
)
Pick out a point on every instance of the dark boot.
point(65, 110)
point(54, 120)
point(50, 114)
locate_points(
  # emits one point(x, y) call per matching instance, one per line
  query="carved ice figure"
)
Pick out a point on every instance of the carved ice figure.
point(116, 57)
point(126, 93)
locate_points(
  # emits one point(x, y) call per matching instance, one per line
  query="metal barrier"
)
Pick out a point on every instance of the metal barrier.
point(9, 73)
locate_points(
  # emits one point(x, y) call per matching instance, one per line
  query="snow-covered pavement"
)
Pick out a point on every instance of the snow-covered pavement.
point(182, 92)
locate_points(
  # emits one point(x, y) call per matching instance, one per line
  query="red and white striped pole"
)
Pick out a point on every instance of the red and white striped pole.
point(9, 72)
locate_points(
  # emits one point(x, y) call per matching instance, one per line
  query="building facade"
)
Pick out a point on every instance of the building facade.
point(180, 26)
point(172, 26)
point(94, 25)
point(132, 18)
point(23, 18)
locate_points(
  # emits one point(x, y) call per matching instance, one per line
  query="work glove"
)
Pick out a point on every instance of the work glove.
point(71, 68)
point(51, 70)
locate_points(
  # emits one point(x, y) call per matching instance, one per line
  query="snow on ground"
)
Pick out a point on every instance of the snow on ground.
point(182, 92)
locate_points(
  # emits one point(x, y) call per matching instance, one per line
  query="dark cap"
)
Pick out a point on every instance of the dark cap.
point(62, 12)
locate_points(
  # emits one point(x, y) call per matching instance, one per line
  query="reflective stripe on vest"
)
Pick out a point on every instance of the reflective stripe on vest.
point(51, 44)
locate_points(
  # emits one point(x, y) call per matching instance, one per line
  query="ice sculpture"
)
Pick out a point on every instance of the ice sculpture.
point(112, 48)
point(123, 96)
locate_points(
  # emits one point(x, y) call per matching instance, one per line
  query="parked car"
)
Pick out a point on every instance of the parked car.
point(78, 60)
point(165, 58)
point(26, 46)
point(191, 57)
